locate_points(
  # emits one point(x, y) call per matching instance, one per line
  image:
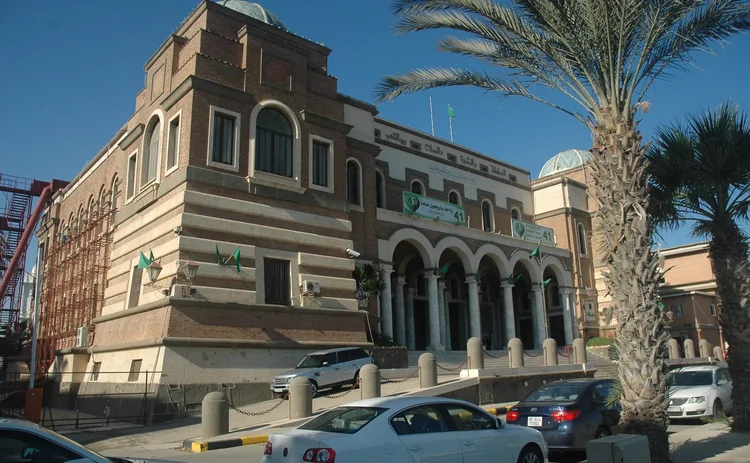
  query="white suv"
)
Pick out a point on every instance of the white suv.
point(324, 369)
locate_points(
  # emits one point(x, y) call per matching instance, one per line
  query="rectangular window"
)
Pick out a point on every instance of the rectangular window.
point(95, 371)
point(377, 133)
point(320, 154)
point(452, 158)
point(484, 168)
point(173, 150)
point(678, 310)
point(416, 146)
point(713, 310)
point(135, 287)
point(135, 370)
point(512, 178)
point(222, 144)
point(277, 276)
point(132, 165)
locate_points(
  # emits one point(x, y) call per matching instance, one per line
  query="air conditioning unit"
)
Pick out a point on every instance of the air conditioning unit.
point(82, 336)
point(310, 287)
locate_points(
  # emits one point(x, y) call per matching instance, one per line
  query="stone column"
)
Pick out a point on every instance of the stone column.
point(567, 315)
point(575, 310)
point(510, 318)
point(475, 322)
point(386, 311)
point(410, 318)
point(446, 313)
point(398, 317)
point(441, 310)
point(539, 331)
point(434, 312)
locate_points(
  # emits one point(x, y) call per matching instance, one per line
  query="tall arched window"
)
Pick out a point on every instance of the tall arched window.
point(150, 161)
point(582, 239)
point(273, 145)
point(454, 198)
point(379, 189)
point(353, 189)
point(115, 199)
point(514, 214)
point(416, 188)
point(92, 207)
point(102, 199)
point(487, 219)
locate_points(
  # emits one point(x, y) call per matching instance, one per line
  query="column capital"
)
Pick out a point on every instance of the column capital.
point(566, 291)
point(411, 291)
point(536, 288)
point(441, 285)
point(431, 276)
point(471, 278)
point(401, 281)
point(387, 269)
point(505, 284)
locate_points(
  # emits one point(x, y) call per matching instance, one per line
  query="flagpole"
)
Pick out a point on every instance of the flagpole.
point(450, 125)
point(432, 119)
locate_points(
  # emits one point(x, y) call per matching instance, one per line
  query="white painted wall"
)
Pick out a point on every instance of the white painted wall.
point(578, 197)
point(363, 122)
point(548, 198)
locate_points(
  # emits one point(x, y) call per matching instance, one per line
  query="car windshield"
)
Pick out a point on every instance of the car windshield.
point(344, 420)
point(690, 378)
point(556, 393)
point(311, 361)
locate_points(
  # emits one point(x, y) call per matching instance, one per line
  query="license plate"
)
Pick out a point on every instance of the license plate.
point(674, 410)
point(535, 421)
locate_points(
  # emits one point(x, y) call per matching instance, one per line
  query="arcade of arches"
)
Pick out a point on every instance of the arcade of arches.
point(437, 297)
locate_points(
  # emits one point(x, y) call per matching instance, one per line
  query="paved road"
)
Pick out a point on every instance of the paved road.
point(254, 453)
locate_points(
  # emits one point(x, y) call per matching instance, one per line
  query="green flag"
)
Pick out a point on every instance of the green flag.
point(451, 112)
point(480, 276)
point(661, 304)
point(150, 256)
point(236, 256)
point(444, 269)
point(218, 256)
point(142, 261)
point(546, 282)
point(536, 252)
point(512, 279)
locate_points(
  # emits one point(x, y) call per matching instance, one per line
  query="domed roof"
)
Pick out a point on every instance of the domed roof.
point(254, 11)
point(568, 159)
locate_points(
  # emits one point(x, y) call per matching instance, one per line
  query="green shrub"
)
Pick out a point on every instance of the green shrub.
point(598, 342)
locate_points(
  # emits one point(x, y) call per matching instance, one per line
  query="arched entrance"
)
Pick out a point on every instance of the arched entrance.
point(491, 304)
point(523, 305)
point(409, 291)
point(553, 308)
point(455, 310)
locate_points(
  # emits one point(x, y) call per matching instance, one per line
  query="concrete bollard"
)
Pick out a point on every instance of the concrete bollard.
point(214, 415)
point(719, 353)
point(704, 348)
point(515, 353)
point(689, 347)
point(579, 351)
point(369, 382)
point(674, 349)
point(550, 352)
point(427, 370)
point(300, 398)
point(475, 354)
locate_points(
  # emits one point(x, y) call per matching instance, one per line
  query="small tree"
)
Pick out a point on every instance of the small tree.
point(369, 287)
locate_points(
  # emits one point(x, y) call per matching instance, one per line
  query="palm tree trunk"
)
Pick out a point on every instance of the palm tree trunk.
point(632, 277)
point(729, 257)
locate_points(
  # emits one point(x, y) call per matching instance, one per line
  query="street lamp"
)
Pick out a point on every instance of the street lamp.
point(537, 254)
point(154, 269)
point(190, 270)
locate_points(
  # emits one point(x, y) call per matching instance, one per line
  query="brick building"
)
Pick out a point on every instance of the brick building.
point(214, 238)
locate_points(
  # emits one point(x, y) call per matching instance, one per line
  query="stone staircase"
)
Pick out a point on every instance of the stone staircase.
point(451, 362)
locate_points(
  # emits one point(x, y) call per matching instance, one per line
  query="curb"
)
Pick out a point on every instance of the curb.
point(196, 446)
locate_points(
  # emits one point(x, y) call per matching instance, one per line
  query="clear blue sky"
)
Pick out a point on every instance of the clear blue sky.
point(69, 73)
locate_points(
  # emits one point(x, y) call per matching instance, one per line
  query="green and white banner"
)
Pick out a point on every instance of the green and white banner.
point(429, 208)
point(533, 232)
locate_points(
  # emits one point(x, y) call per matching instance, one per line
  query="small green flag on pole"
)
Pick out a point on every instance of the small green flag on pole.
point(218, 256)
point(480, 276)
point(513, 279)
point(143, 262)
point(150, 256)
point(451, 112)
point(661, 304)
point(444, 268)
point(546, 282)
point(536, 252)
point(236, 256)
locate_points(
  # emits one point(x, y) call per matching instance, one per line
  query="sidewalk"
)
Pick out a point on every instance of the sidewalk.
point(710, 443)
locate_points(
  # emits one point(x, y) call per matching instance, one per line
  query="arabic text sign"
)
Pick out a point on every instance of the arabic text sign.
point(533, 232)
point(429, 208)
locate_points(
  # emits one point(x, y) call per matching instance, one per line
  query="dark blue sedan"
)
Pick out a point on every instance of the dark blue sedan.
point(568, 413)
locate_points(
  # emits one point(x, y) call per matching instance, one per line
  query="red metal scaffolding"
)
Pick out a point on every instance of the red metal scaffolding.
point(74, 280)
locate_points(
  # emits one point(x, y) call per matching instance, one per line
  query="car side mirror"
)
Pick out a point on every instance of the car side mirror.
point(499, 423)
point(721, 382)
point(325, 364)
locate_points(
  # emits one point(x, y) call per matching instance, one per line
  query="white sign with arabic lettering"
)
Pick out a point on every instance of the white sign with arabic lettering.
point(453, 174)
point(533, 232)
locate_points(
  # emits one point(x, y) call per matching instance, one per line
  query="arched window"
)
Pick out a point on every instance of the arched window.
point(115, 199)
point(81, 216)
point(514, 214)
point(417, 188)
point(273, 145)
point(150, 159)
point(353, 188)
point(487, 218)
point(92, 207)
point(379, 189)
point(102, 199)
point(582, 239)
point(454, 198)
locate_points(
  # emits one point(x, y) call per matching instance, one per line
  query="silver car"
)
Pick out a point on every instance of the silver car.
point(23, 441)
point(699, 391)
point(324, 369)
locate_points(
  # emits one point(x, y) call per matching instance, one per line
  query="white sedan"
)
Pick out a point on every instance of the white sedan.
point(699, 391)
point(406, 430)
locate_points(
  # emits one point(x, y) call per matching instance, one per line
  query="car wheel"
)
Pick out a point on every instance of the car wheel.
point(601, 432)
point(530, 454)
point(314, 388)
point(718, 409)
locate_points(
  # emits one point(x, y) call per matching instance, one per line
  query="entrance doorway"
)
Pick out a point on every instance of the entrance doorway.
point(557, 328)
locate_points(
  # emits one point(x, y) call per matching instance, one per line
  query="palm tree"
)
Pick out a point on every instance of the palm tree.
point(603, 55)
point(700, 173)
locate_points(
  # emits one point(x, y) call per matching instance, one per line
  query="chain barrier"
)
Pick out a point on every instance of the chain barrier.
point(531, 355)
point(265, 412)
point(453, 369)
point(411, 375)
point(566, 353)
point(486, 352)
point(340, 395)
